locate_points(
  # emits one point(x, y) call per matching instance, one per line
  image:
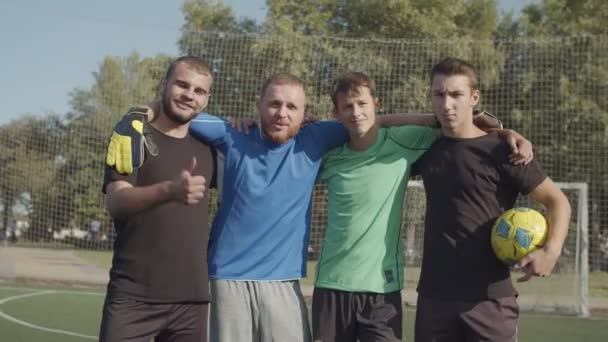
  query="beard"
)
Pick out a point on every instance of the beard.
point(171, 114)
point(282, 136)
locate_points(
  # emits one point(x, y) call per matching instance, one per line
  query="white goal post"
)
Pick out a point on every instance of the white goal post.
point(566, 291)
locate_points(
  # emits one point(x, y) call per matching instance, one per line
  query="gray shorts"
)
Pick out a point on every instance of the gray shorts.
point(258, 311)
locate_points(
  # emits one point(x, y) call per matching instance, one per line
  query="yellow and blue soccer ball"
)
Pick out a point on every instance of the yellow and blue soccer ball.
point(518, 232)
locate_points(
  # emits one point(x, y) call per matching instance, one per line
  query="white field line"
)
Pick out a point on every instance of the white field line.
point(40, 293)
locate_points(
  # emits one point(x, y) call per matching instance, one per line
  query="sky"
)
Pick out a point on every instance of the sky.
point(50, 47)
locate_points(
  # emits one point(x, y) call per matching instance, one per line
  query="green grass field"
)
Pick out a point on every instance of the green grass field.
point(33, 313)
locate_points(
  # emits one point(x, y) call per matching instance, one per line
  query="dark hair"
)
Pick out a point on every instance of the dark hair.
point(192, 61)
point(453, 66)
point(348, 82)
point(281, 79)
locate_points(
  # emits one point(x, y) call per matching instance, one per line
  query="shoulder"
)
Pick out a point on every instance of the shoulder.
point(411, 129)
point(335, 153)
point(412, 136)
point(206, 121)
point(322, 127)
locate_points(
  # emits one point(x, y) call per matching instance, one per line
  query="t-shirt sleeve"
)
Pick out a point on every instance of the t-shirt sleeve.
point(210, 129)
point(111, 175)
point(523, 178)
point(414, 137)
point(323, 136)
point(330, 134)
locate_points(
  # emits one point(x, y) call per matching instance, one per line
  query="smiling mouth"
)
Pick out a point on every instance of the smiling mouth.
point(182, 105)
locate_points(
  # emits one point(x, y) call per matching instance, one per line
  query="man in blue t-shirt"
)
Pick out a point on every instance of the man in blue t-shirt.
point(258, 243)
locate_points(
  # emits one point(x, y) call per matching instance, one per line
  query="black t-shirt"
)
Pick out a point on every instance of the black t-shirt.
point(469, 183)
point(160, 255)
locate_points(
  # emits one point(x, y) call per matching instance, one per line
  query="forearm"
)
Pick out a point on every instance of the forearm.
point(391, 120)
point(486, 121)
point(504, 133)
point(129, 201)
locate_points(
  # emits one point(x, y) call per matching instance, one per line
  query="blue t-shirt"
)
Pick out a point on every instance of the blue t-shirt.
point(260, 231)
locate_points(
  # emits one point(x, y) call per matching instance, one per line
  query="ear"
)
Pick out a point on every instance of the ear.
point(475, 97)
point(334, 112)
point(377, 102)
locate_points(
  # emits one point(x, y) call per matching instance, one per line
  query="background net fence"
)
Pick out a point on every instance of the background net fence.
point(554, 91)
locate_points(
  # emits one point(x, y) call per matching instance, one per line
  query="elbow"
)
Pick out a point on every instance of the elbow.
point(560, 205)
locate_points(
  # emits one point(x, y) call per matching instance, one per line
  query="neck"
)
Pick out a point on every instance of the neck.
point(468, 130)
point(168, 127)
point(362, 141)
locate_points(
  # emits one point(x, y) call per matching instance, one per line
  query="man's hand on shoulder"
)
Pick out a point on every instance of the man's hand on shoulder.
point(126, 149)
point(243, 124)
point(486, 120)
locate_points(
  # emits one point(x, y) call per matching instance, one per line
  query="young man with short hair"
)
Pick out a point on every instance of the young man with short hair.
point(465, 293)
point(158, 286)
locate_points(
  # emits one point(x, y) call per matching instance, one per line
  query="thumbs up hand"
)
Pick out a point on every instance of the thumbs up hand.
point(187, 188)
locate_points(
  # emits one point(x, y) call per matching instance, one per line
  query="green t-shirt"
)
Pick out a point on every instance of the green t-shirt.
point(362, 249)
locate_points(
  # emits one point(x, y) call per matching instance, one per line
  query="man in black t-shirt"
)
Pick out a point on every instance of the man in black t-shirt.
point(158, 286)
point(465, 293)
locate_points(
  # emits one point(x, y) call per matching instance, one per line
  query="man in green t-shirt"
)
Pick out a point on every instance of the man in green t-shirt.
point(359, 277)
point(360, 271)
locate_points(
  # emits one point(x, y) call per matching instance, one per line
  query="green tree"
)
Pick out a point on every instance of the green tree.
point(212, 32)
point(74, 196)
point(28, 148)
point(558, 72)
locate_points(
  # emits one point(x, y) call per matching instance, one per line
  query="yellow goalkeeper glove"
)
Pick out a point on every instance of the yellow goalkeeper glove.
point(126, 149)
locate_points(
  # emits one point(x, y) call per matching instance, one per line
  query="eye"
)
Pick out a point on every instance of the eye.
point(181, 84)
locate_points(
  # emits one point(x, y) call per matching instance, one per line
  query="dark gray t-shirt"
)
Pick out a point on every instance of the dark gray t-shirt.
point(469, 183)
point(160, 255)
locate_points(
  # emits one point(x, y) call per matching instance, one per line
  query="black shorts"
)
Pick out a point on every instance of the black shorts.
point(342, 316)
point(467, 321)
point(126, 319)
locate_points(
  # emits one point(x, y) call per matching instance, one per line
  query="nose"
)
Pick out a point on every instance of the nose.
point(188, 94)
point(357, 111)
point(282, 112)
point(446, 102)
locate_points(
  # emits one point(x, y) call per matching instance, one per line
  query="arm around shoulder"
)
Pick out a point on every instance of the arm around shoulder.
point(210, 129)
point(391, 120)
